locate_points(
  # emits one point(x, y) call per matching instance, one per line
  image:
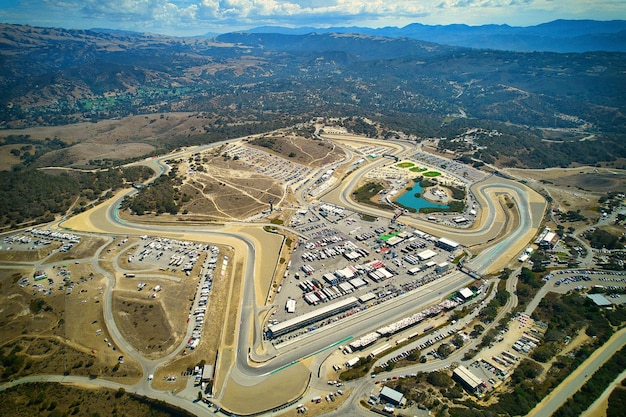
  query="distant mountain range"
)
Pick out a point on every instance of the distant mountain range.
point(555, 36)
point(553, 109)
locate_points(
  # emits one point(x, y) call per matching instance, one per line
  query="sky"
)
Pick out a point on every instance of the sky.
point(197, 17)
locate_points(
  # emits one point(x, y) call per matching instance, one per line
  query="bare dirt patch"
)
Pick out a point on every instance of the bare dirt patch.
point(29, 255)
point(145, 325)
point(114, 132)
point(55, 329)
point(306, 151)
point(50, 399)
point(226, 190)
point(85, 249)
point(81, 154)
point(7, 159)
point(129, 137)
point(217, 187)
point(53, 356)
point(575, 188)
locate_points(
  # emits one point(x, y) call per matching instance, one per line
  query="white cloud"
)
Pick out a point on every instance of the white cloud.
point(174, 16)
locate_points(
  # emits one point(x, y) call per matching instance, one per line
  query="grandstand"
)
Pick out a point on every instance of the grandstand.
point(275, 330)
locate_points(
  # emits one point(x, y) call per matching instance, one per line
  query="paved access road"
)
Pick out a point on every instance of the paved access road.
point(575, 381)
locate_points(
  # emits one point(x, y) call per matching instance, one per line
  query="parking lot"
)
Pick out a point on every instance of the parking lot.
point(265, 163)
point(611, 283)
point(343, 255)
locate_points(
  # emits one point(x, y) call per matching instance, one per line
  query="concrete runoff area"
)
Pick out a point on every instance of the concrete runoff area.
point(282, 386)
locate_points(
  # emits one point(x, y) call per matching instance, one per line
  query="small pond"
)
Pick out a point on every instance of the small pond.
point(408, 199)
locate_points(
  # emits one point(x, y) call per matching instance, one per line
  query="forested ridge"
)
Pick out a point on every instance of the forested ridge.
point(33, 196)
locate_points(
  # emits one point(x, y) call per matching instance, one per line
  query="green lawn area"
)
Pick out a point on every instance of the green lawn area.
point(389, 236)
point(418, 169)
point(431, 174)
point(406, 164)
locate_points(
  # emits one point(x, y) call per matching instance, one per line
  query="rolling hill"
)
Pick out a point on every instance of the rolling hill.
point(554, 108)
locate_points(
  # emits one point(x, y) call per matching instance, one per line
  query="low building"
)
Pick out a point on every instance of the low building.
point(207, 373)
point(426, 254)
point(466, 293)
point(448, 244)
point(477, 285)
point(549, 241)
point(357, 283)
point(39, 275)
point(599, 300)
point(391, 396)
point(393, 241)
point(367, 297)
point(442, 267)
point(467, 379)
point(330, 279)
point(275, 330)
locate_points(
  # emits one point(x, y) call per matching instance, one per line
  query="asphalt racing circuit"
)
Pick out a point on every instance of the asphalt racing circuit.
point(257, 363)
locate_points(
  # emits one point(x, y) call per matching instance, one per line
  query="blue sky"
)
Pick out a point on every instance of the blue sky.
point(194, 17)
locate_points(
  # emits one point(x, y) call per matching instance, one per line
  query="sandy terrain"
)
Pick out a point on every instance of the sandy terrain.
point(68, 334)
point(575, 188)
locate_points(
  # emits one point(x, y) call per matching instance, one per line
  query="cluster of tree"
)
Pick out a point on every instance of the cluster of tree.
point(593, 388)
point(264, 141)
point(453, 207)
point(612, 201)
point(31, 150)
point(420, 388)
point(602, 239)
point(569, 313)
point(528, 284)
point(360, 127)
point(31, 196)
point(617, 401)
point(616, 261)
point(359, 370)
point(457, 193)
point(489, 312)
point(571, 216)
point(161, 196)
point(57, 400)
point(527, 147)
point(366, 192)
point(524, 395)
point(12, 362)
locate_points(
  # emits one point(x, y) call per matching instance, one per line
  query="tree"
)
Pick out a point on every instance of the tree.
point(439, 379)
point(458, 340)
point(444, 350)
